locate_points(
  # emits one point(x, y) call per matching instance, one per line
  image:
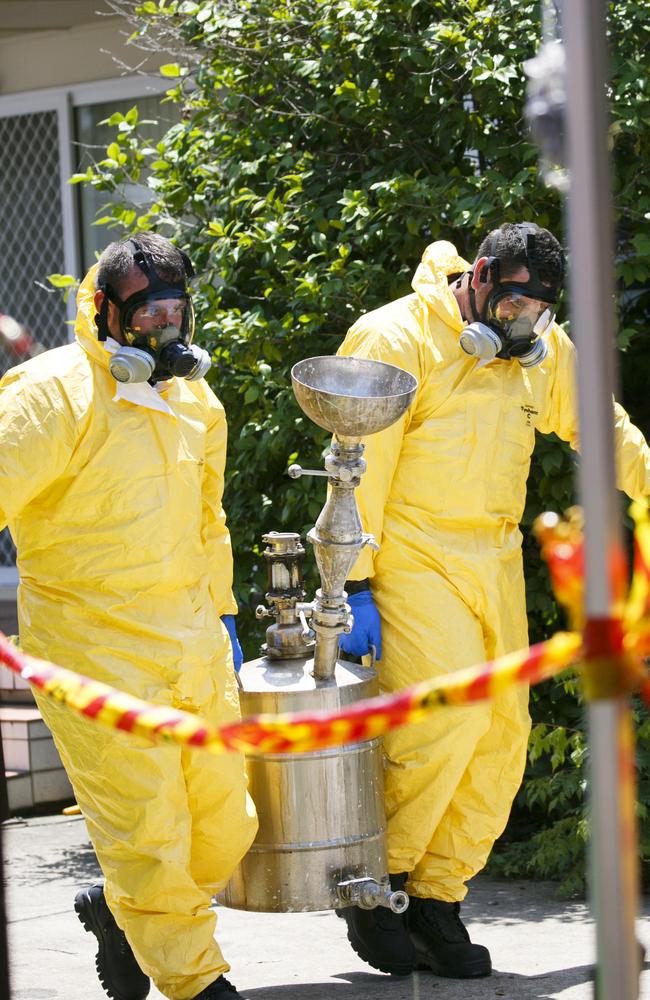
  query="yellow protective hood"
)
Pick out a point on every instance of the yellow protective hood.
point(431, 281)
point(85, 328)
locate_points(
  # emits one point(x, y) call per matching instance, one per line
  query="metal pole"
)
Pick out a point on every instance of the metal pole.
point(4, 951)
point(4, 790)
point(613, 851)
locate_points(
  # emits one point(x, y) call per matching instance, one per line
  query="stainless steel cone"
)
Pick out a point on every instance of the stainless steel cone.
point(352, 397)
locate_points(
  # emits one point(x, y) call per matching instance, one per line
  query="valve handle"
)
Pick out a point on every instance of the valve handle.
point(306, 631)
point(342, 474)
point(296, 471)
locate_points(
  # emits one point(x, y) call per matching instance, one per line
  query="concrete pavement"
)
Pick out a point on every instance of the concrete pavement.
point(542, 948)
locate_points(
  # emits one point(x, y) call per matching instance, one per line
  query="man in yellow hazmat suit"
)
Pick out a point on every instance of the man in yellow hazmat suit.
point(443, 495)
point(112, 453)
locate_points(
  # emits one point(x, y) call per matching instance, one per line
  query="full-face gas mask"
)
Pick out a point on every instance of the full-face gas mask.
point(157, 324)
point(516, 316)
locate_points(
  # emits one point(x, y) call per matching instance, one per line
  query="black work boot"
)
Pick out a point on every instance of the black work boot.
point(442, 943)
point(220, 988)
point(118, 971)
point(380, 937)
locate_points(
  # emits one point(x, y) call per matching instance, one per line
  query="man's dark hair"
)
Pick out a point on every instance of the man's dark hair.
point(116, 262)
point(508, 244)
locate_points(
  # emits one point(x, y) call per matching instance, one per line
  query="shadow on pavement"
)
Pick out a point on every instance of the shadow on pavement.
point(366, 986)
point(492, 902)
point(77, 864)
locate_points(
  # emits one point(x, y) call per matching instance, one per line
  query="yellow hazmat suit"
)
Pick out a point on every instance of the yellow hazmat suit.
point(443, 495)
point(125, 568)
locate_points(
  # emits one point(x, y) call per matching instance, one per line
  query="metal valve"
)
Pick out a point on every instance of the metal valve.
point(344, 475)
point(290, 637)
point(303, 611)
point(367, 893)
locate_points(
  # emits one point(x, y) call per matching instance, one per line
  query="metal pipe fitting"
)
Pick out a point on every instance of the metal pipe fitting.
point(289, 637)
point(367, 893)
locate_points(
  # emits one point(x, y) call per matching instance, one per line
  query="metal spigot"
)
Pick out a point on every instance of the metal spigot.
point(367, 893)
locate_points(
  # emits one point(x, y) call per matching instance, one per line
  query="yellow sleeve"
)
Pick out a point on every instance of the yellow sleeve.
point(379, 339)
point(632, 452)
point(216, 537)
point(561, 413)
point(632, 456)
point(37, 437)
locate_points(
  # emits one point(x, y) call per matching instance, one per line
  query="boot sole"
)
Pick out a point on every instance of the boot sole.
point(84, 910)
point(479, 970)
point(403, 969)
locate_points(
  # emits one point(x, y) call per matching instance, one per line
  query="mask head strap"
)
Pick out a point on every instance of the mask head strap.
point(528, 232)
point(492, 267)
point(101, 318)
point(156, 283)
point(472, 297)
point(534, 287)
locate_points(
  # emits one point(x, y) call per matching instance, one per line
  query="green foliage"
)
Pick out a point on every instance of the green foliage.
point(321, 147)
point(548, 832)
point(66, 282)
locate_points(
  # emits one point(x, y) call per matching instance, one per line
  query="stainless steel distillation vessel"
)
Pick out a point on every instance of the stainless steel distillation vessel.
point(321, 840)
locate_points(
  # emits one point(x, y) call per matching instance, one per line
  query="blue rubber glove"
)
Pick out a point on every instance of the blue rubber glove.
point(237, 654)
point(366, 630)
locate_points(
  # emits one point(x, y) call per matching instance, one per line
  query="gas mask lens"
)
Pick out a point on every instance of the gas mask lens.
point(157, 313)
point(518, 317)
point(514, 328)
point(158, 329)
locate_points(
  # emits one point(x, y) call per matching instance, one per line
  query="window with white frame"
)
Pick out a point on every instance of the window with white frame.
point(46, 225)
point(92, 136)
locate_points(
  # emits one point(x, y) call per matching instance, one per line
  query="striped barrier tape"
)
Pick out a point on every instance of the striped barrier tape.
point(299, 732)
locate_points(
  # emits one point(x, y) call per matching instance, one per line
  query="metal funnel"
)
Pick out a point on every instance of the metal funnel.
point(352, 397)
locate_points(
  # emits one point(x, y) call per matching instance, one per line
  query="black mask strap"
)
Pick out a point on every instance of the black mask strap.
point(472, 299)
point(156, 283)
point(528, 232)
point(492, 267)
point(141, 261)
point(101, 318)
point(187, 263)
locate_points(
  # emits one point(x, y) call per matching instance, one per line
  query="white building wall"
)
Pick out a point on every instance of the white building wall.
point(94, 51)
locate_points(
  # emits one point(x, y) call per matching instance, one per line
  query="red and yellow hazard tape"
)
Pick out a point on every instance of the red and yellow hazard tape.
point(636, 614)
point(306, 731)
point(614, 646)
point(300, 732)
point(562, 546)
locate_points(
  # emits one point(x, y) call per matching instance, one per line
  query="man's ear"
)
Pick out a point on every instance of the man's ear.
point(477, 272)
point(98, 299)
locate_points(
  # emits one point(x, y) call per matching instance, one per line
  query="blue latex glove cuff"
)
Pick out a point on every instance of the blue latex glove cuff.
point(237, 653)
point(366, 631)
